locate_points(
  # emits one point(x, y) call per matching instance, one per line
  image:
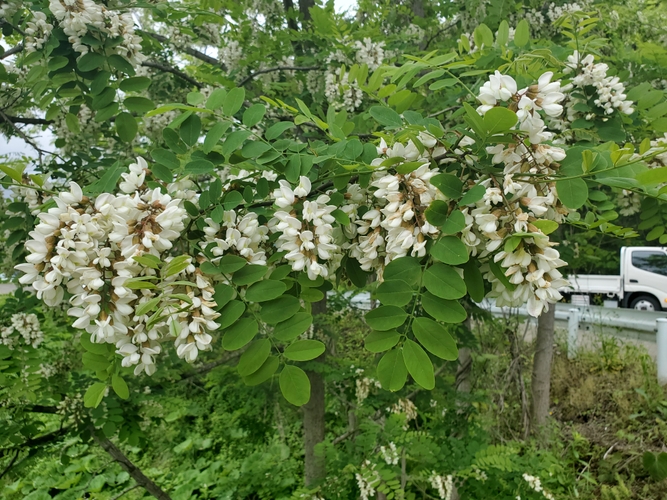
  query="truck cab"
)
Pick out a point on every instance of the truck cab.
point(642, 283)
point(644, 278)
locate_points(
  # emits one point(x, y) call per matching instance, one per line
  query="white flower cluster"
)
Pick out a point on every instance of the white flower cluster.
point(610, 90)
point(367, 480)
point(23, 326)
point(340, 93)
point(77, 16)
point(390, 454)
point(9, 8)
point(509, 208)
point(363, 388)
point(444, 485)
point(87, 136)
point(555, 12)
point(369, 53)
point(88, 246)
point(306, 232)
point(395, 224)
point(536, 485)
point(34, 198)
point(231, 54)
point(238, 235)
point(404, 407)
point(37, 32)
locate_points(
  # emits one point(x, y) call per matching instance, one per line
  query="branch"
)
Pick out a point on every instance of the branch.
point(277, 68)
point(188, 50)
point(11, 464)
point(446, 110)
point(131, 469)
point(172, 70)
point(437, 33)
point(28, 121)
point(126, 490)
point(12, 51)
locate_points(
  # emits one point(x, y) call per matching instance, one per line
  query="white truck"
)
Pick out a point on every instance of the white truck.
point(642, 283)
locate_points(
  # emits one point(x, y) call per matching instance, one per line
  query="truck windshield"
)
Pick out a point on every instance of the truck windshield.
point(651, 261)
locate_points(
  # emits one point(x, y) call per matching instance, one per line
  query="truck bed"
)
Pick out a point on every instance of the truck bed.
point(593, 283)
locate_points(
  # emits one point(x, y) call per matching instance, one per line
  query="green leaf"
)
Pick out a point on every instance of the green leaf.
point(146, 307)
point(437, 212)
point(450, 250)
point(264, 373)
point(139, 105)
point(234, 141)
point(304, 350)
point(455, 223)
point(394, 293)
point(280, 309)
point(231, 263)
point(93, 396)
point(176, 265)
point(441, 84)
point(444, 281)
point(503, 34)
point(216, 99)
point(126, 127)
point(652, 176)
point(391, 371)
point(499, 273)
point(121, 64)
point(230, 313)
point(120, 386)
point(199, 167)
point(435, 338)
point(386, 116)
point(290, 329)
point(473, 195)
point(418, 364)
point(522, 33)
point(254, 357)
point(474, 281)
point(498, 120)
point(90, 61)
point(190, 130)
point(294, 385)
point(572, 192)
point(214, 135)
point(135, 84)
point(381, 341)
point(105, 113)
point(223, 294)
point(72, 122)
point(233, 101)
point(447, 311)
point(265, 290)
point(449, 185)
point(253, 115)
point(385, 318)
point(166, 158)
point(277, 129)
point(249, 275)
point(56, 63)
point(239, 334)
point(253, 149)
point(655, 465)
point(407, 269)
point(545, 225)
point(173, 141)
point(92, 346)
point(358, 276)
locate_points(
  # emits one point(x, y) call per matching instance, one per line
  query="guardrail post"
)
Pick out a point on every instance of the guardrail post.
point(661, 358)
point(572, 332)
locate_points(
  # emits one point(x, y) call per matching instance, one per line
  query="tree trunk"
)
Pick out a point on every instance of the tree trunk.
point(288, 5)
point(304, 8)
point(134, 471)
point(313, 418)
point(463, 381)
point(541, 378)
point(418, 8)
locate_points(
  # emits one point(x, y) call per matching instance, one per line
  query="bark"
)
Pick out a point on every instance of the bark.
point(304, 8)
point(463, 381)
point(313, 418)
point(134, 471)
point(418, 8)
point(291, 21)
point(541, 378)
point(516, 370)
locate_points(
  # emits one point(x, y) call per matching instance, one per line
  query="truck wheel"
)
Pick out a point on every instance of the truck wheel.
point(645, 303)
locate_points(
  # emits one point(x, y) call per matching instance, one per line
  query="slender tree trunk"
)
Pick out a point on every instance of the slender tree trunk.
point(541, 378)
point(304, 8)
point(291, 20)
point(134, 471)
point(463, 382)
point(313, 418)
point(418, 8)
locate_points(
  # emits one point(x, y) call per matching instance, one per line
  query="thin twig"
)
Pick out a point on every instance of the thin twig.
point(126, 490)
point(11, 464)
point(277, 68)
point(437, 33)
point(28, 121)
point(173, 71)
point(14, 50)
point(188, 50)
